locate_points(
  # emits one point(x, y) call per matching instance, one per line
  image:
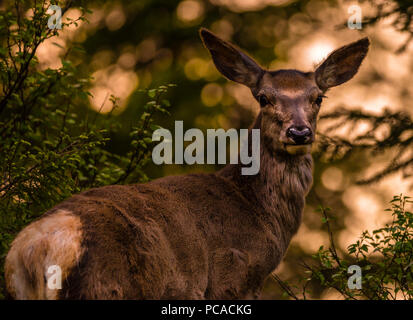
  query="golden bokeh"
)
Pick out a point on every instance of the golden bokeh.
point(211, 94)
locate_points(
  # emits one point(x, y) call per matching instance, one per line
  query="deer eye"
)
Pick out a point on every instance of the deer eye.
point(263, 101)
point(319, 100)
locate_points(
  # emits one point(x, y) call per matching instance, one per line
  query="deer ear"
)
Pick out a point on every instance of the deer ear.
point(342, 64)
point(230, 61)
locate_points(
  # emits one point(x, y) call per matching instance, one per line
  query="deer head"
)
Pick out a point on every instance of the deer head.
point(290, 99)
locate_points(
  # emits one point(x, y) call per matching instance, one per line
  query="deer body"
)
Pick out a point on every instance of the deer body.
point(197, 236)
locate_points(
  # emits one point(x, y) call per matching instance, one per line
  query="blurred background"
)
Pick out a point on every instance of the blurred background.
point(132, 45)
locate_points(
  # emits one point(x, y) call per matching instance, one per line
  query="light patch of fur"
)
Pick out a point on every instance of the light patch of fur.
point(290, 89)
point(298, 149)
point(52, 240)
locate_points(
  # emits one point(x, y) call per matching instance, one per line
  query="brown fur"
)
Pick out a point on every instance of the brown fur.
point(197, 236)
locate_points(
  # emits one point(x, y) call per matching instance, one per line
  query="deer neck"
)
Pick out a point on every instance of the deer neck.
point(279, 188)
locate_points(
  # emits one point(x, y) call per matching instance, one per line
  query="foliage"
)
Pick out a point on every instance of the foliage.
point(384, 255)
point(401, 13)
point(51, 144)
point(397, 140)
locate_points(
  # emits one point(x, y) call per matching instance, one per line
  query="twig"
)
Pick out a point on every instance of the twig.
point(285, 286)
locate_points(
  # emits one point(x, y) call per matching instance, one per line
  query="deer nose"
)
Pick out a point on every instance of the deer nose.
point(300, 135)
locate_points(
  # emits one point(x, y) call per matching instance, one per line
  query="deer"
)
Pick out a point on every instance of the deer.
point(196, 236)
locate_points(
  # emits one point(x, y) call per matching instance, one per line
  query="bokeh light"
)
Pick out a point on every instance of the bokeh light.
point(189, 10)
point(115, 19)
point(211, 94)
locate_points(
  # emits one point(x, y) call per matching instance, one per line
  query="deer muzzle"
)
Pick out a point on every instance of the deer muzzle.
point(301, 140)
